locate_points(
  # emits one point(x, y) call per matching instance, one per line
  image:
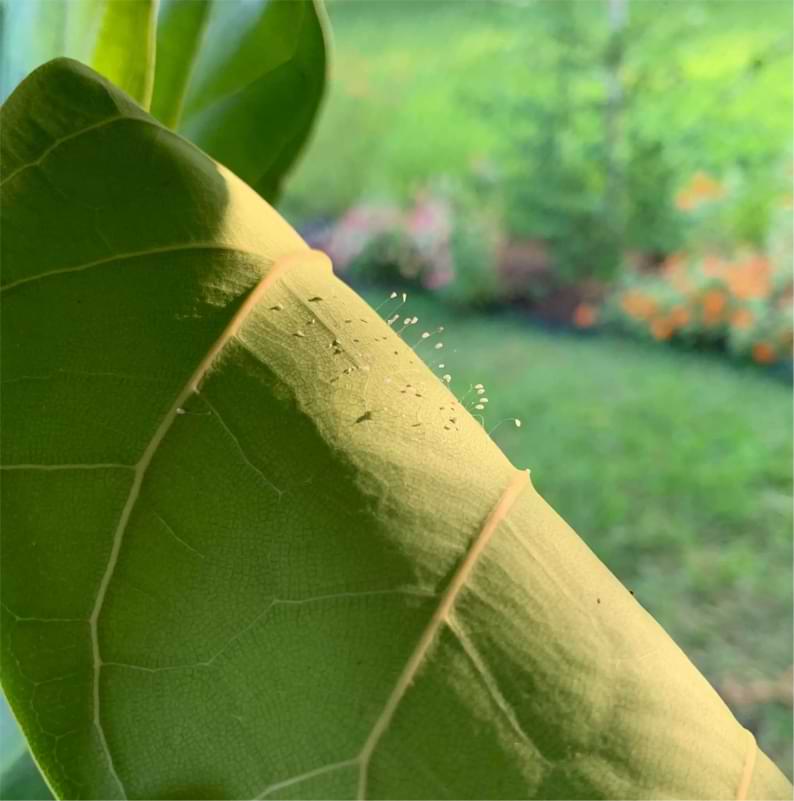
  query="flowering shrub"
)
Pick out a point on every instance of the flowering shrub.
point(357, 229)
point(381, 242)
point(436, 243)
point(700, 189)
point(743, 304)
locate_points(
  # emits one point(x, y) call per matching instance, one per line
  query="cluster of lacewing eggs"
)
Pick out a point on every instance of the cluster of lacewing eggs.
point(476, 405)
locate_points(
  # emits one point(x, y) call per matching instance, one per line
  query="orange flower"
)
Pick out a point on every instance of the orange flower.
point(764, 353)
point(750, 279)
point(742, 319)
point(679, 316)
point(704, 186)
point(701, 188)
point(638, 305)
point(713, 306)
point(713, 266)
point(661, 328)
point(585, 315)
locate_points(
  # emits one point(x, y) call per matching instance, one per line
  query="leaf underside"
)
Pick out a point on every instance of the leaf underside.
point(253, 547)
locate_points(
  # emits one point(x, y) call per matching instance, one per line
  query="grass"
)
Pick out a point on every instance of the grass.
point(676, 470)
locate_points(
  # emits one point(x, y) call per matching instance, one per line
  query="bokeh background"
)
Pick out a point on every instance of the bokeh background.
point(594, 198)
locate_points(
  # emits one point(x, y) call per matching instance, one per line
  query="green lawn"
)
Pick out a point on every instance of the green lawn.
point(676, 469)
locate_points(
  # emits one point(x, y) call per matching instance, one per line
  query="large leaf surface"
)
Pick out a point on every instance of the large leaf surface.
point(253, 547)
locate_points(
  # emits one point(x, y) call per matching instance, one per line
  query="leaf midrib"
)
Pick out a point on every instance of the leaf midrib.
point(440, 616)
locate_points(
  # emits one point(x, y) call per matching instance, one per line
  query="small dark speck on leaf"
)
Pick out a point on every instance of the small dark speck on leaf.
point(416, 425)
point(348, 321)
point(364, 417)
point(277, 307)
point(631, 591)
point(598, 600)
point(315, 299)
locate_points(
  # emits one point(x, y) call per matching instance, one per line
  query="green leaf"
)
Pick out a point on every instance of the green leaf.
point(254, 90)
point(243, 78)
point(124, 51)
point(115, 38)
point(253, 547)
point(181, 28)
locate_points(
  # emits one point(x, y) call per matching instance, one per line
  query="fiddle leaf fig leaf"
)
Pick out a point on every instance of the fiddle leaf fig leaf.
point(243, 80)
point(116, 38)
point(181, 31)
point(254, 548)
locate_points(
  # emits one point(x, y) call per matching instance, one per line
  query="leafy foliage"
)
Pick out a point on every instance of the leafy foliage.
point(516, 98)
point(242, 79)
point(743, 303)
point(241, 559)
point(117, 39)
point(252, 88)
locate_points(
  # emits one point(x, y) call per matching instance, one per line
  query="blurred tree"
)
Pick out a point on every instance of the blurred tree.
point(614, 194)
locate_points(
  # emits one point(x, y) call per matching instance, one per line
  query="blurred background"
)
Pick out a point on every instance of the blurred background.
point(594, 198)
